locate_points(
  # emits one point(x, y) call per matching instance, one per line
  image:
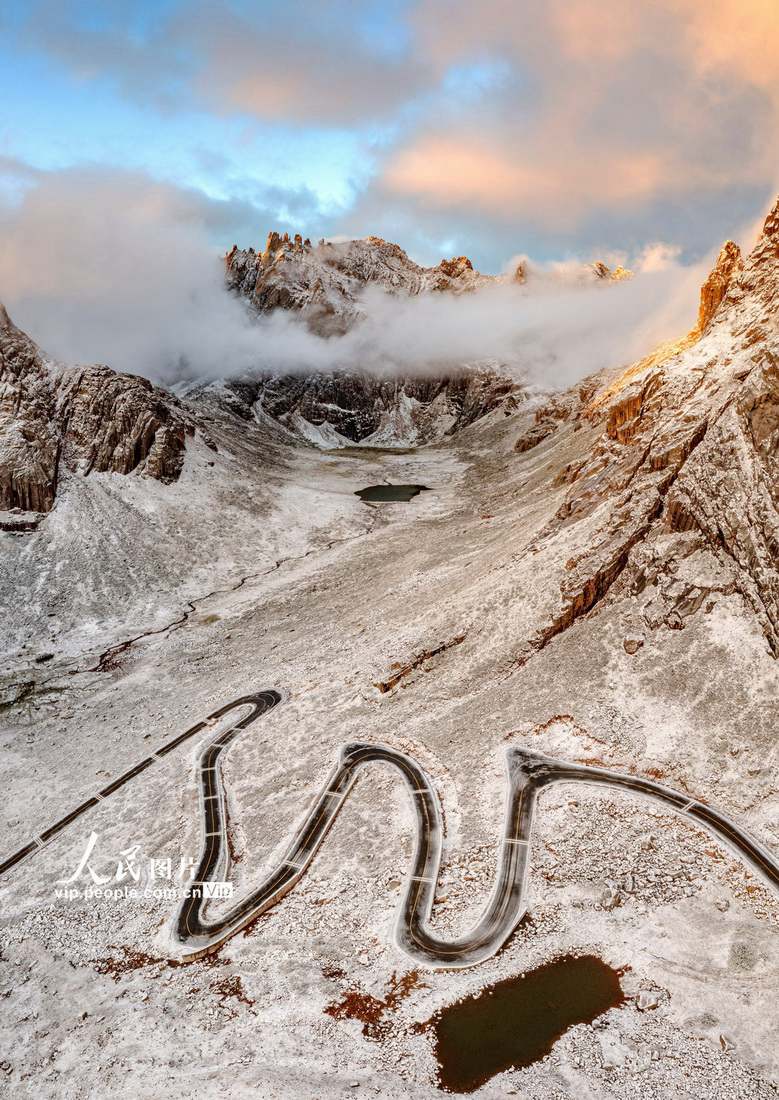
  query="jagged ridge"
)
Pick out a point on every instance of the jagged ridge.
point(689, 449)
point(326, 281)
point(85, 418)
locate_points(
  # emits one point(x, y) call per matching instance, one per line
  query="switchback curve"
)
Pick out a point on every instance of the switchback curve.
point(528, 773)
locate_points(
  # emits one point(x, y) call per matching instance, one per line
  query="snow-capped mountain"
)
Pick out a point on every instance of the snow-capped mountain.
point(84, 419)
point(592, 576)
point(326, 281)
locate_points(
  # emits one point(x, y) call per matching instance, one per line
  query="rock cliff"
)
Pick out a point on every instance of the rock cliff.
point(326, 281)
point(337, 408)
point(78, 418)
point(680, 484)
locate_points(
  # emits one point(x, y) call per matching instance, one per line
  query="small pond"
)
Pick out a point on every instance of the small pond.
point(390, 492)
point(517, 1021)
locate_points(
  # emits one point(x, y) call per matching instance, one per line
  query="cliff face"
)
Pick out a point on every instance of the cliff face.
point(342, 407)
point(325, 281)
point(683, 479)
point(29, 441)
point(79, 418)
point(728, 268)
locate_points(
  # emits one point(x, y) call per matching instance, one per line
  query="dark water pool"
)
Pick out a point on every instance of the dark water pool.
point(518, 1021)
point(390, 492)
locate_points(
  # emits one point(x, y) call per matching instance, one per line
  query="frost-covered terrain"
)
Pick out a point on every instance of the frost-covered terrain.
point(593, 575)
point(326, 281)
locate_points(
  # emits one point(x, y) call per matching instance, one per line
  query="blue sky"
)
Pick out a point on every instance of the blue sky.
point(57, 117)
point(583, 128)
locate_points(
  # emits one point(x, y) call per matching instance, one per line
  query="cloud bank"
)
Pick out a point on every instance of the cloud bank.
point(551, 333)
point(601, 124)
point(115, 268)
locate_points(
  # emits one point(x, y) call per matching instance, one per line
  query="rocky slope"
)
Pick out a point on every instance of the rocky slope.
point(78, 418)
point(326, 281)
point(603, 592)
point(681, 478)
point(339, 408)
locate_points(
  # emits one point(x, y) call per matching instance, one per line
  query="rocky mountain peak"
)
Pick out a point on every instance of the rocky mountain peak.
point(728, 266)
point(771, 227)
point(277, 244)
point(520, 273)
point(326, 282)
point(78, 419)
point(457, 266)
point(759, 281)
point(616, 274)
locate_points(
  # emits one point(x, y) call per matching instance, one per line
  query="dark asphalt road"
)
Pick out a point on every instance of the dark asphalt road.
point(528, 774)
point(260, 704)
point(195, 934)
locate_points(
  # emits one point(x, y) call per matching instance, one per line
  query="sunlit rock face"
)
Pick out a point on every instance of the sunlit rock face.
point(686, 466)
point(615, 275)
point(728, 267)
point(55, 420)
point(326, 281)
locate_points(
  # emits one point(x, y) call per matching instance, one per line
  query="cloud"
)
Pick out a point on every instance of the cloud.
point(572, 119)
point(621, 106)
point(489, 171)
point(299, 62)
point(740, 36)
point(552, 332)
point(657, 256)
point(117, 268)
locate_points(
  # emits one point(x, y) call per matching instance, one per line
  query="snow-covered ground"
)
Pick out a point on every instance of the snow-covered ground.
point(276, 575)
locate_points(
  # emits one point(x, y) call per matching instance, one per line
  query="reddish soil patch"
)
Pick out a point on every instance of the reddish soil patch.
point(370, 1010)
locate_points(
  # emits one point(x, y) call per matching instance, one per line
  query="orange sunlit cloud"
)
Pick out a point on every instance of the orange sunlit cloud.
point(628, 102)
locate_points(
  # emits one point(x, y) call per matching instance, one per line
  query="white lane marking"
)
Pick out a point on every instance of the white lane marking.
point(421, 878)
point(686, 807)
point(290, 863)
point(217, 833)
point(420, 790)
point(336, 794)
point(510, 840)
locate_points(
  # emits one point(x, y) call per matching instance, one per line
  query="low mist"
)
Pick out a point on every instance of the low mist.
point(112, 268)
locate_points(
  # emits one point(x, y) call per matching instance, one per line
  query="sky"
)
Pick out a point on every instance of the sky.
point(569, 128)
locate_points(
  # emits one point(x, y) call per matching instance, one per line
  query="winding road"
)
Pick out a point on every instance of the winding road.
point(194, 934)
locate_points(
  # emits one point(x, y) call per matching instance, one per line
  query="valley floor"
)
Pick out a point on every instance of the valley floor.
point(402, 623)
